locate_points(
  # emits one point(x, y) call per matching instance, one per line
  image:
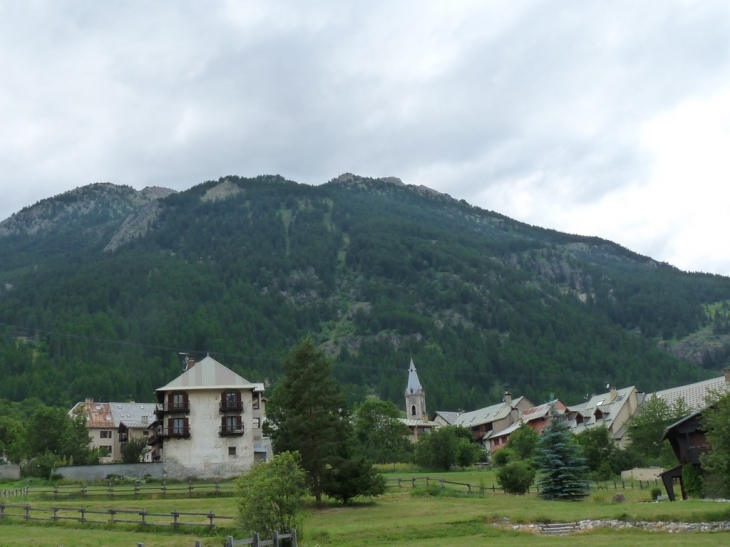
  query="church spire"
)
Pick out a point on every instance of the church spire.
point(415, 396)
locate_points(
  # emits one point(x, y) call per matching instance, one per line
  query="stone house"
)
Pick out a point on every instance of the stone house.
point(611, 410)
point(486, 422)
point(209, 423)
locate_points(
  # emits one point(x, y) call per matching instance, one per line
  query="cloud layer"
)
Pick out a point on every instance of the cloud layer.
point(598, 118)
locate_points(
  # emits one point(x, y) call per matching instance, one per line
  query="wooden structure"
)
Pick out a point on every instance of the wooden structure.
point(688, 442)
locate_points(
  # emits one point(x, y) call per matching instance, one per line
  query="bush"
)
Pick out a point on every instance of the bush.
point(655, 493)
point(692, 479)
point(270, 496)
point(516, 477)
point(503, 457)
point(41, 466)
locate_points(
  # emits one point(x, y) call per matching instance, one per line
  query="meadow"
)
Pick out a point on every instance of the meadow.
point(403, 517)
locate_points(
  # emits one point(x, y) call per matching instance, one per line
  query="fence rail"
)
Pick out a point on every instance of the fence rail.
point(136, 490)
point(256, 541)
point(115, 516)
point(413, 482)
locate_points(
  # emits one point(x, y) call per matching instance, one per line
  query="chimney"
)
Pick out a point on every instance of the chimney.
point(508, 398)
point(143, 419)
point(88, 401)
point(191, 361)
point(612, 394)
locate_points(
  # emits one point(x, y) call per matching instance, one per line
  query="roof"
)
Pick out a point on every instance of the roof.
point(108, 415)
point(414, 385)
point(132, 412)
point(448, 417)
point(135, 425)
point(486, 415)
point(680, 422)
point(540, 411)
point(511, 429)
point(602, 403)
point(694, 395)
point(418, 423)
point(208, 374)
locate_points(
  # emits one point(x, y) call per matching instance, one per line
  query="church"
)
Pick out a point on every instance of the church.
point(416, 415)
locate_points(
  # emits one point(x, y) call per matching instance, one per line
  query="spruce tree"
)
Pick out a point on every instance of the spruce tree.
point(561, 466)
point(307, 413)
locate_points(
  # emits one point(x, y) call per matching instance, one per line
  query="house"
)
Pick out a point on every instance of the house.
point(695, 395)
point(416, 415)
point(537, 418)
point(487, 421)
point(611, 410)
point(209, 423)
point(444, 418)
point(688, 441)
point(104, 421)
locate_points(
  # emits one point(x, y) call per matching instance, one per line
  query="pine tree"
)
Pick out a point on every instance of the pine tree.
point(560, 464)
point(307, 413)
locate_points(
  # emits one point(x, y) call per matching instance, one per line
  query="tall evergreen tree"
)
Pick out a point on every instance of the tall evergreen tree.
point(307, 413)
point(560, 464)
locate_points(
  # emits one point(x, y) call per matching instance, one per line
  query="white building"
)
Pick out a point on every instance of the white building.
point(209, 422)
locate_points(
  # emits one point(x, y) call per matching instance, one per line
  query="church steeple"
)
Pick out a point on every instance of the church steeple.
point(415, 396)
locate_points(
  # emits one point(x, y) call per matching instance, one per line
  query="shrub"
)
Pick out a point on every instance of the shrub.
point(503, 457)
point(516, 477)
point(655, 493)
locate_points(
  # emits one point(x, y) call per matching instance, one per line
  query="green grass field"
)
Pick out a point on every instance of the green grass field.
point(403, 518)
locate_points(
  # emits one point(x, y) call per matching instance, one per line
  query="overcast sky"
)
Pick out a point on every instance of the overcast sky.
point(590, 117)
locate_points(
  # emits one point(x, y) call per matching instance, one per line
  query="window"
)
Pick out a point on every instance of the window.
point(178, 401)
point(145, 432)
point(105, 434)
point(230, 399)
point(413, 410)
point(256, 423)
point(105, 450)
point(178, 426)
point(231, 450)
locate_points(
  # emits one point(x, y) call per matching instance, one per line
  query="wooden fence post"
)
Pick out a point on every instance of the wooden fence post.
point(293, 537)
point(275, 538)
point(229, 541)
point(255, 538)
point(197, 543)
point(211, 517)
point(27, 512)
point(442, 483)
point(175, 514)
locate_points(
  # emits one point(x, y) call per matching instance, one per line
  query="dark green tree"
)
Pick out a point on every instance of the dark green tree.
point(599, 450)
point(523, 441)
point(348, 478)
point(646, 428)
point(446, 447)
point(716, 422)
point(133, 450)
point(562, 468)
point(381, 436)
point(12, 435)
point(307, 413)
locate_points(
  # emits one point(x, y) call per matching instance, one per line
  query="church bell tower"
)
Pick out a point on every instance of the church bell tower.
point(415, 397)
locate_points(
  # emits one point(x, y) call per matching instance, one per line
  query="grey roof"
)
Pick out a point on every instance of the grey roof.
point(208, 374)
point(132, 412)
point(135, 425)
point(414, 385)
point(694, 395)
point(418, 423)
point(486, 415)
point(609, 409)
point(448, 417)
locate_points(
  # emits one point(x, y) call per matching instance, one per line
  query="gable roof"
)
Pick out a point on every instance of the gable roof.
point(447, 416)
point(414, 385)
point(600, 404)
point(132, 412)
point(694, 395)
point(208, 374)
point(486, 415)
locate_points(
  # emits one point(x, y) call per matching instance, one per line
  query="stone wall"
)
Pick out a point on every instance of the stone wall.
point(100, 472)
point(9, 472)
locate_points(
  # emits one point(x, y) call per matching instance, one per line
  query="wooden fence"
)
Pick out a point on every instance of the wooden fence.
point(14, 492)
point(413, 482)
point(139, 517)
point(255, 541)
point(136, 490)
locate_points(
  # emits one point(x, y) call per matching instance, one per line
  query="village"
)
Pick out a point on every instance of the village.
point(208, 423)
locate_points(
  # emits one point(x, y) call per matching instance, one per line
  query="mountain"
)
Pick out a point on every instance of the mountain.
point(101, 287)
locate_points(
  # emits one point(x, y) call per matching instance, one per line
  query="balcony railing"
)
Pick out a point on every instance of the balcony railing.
point(231, 406)
point(172, 407)
point(230, 430)
point(181, 432)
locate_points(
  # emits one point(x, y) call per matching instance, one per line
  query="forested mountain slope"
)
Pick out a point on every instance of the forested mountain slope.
point(101, 287)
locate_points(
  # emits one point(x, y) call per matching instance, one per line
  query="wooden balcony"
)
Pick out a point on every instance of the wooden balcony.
point(231, 406)
point(230, 430)
point(174, 432)
point(172, 407)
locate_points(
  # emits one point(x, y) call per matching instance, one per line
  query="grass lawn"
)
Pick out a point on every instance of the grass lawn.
point(403, 519)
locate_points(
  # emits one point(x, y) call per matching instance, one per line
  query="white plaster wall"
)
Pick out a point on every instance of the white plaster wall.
point(205, 453)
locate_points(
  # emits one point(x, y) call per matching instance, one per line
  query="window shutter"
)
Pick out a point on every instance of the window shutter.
point(239, 421)
point(185, 398)
point(223, 399)
point(170, 398)
point(238, 396)
point(186, 425)
point(169, 423)
point(223, 423)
